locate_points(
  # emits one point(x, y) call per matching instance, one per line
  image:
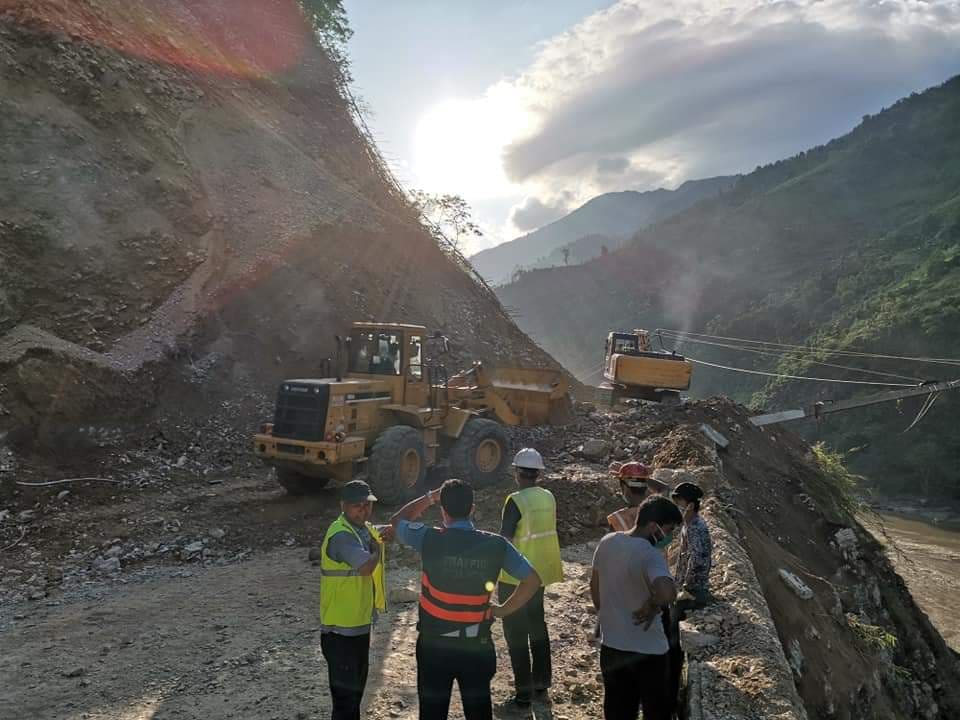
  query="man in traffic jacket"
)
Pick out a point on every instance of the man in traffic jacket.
point(460, 569)
point(351, 595)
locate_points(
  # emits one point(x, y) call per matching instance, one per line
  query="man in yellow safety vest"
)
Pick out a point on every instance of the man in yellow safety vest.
point(351, 594)
point(530, 521)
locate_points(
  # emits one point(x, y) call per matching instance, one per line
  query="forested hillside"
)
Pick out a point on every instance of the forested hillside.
point(851, 245)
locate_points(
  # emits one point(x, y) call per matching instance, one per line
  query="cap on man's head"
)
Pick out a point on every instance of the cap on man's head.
point(356, 491)
point(529, 459)
point(688, 491)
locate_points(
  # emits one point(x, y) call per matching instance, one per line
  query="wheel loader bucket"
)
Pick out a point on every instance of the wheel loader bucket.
point(517, 396)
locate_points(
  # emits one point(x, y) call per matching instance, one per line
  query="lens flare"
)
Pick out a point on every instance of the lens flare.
point(241, 38)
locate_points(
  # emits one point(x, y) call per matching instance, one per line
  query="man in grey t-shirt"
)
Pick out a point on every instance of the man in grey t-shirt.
point(629, 585)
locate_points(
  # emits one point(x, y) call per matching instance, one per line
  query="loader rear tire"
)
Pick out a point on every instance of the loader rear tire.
point(397, 465)
point(481, 454)
point(298, 484)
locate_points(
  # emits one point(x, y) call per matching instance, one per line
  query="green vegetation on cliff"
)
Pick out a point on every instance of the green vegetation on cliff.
point(854, 245)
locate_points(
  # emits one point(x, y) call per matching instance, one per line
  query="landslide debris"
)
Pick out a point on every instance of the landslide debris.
point(191, 214)
point(857, 647)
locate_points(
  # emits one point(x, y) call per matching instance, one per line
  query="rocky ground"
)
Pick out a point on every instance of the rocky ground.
point(182, 587)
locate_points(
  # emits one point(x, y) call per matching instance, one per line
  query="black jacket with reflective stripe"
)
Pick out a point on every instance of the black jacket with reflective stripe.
point(460, 570)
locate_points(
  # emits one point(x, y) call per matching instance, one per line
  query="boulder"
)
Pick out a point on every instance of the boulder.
point(798, 586)
point(404, 595)
point(595, 450)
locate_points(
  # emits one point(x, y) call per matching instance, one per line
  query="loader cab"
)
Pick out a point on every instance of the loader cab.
point(391, 353)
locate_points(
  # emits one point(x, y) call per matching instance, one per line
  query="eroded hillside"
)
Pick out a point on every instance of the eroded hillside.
point(188, 201)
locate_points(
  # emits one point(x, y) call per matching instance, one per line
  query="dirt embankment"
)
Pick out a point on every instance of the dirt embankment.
point(215, 562)
point(190, 214)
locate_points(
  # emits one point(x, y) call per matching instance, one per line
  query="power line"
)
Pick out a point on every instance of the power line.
point(785, 353)
point(797, 377)
point(674, 334)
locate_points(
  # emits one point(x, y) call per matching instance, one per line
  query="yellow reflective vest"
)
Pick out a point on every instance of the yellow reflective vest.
point(348, 599)
point(536, 534)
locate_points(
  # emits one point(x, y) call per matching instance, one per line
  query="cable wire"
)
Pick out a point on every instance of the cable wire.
point(927, 404)
point(798, 377)
point(785, 353)
point(813, 350)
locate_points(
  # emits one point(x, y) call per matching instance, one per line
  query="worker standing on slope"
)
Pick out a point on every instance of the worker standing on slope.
point(629, 586)
point(529, 521)
point(460, 569)
point(696, 549)
point(351, 594)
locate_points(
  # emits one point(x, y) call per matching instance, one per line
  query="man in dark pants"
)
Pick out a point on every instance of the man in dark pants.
point(629, 587)
point(460, 569)
point(529, 521)
point(351, 594)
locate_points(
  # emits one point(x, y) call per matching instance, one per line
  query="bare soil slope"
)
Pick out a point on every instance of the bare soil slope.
point(185, 185)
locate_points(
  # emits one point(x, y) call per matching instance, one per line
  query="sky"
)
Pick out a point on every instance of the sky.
point(529, 108)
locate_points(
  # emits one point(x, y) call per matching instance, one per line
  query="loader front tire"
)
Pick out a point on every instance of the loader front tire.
point(298, 484)
point(481, 454)
point(397, 464)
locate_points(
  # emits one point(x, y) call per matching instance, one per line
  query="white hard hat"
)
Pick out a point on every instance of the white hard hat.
point(530, 459)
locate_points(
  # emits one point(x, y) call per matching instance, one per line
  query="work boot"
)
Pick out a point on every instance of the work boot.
point(516, 703)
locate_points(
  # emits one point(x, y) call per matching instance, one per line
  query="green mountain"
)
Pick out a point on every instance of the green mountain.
point(854, 245)
point(606, 220)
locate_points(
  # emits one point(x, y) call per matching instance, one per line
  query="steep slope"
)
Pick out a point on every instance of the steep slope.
point(189, 205)
point(849, 245)
point(616, 216)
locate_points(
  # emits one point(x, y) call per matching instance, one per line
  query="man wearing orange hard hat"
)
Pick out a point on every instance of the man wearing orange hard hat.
point(635, 482)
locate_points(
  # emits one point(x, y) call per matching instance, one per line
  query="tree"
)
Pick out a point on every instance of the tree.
point(448, 216)
point(566, 256)
point(329, 22)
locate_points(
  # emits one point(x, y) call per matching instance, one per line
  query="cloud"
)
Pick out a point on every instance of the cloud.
point(612, 165)
point(534, 213)
point(646, 94)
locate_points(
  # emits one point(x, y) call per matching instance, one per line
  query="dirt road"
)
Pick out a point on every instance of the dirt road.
point(242, 641)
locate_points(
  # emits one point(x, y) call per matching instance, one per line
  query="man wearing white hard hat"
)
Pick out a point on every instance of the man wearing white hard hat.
point(530, 522)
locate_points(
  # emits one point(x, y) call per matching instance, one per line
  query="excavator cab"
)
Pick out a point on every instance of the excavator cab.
point(632, 370)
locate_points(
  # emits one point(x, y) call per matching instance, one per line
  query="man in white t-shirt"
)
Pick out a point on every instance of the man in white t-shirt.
point(629, 585)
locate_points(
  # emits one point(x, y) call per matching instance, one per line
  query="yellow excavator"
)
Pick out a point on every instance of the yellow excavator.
point(633, 370)
point(395, 413)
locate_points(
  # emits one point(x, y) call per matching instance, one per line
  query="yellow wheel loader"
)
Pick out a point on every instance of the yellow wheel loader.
point(631, 369)
point(394, 413)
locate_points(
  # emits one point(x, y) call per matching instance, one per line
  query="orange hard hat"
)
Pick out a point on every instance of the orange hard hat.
point(633, 470)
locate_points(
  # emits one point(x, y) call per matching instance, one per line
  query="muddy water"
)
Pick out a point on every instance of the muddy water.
point(928, 558)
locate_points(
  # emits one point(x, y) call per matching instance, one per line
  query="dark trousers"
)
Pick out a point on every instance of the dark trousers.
point(348, 659)
point(526, 634)
point(440, 661)
point(671, 626)
point(632, 680)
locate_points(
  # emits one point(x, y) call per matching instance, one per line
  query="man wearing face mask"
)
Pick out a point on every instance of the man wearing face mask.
point(460, 569)
point(629, 586)
point(351, 595)
point(633, 477)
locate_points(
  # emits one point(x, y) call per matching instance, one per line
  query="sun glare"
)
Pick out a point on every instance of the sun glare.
point(459, 144)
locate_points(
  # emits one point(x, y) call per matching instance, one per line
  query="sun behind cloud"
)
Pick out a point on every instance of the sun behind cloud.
point(459, 144)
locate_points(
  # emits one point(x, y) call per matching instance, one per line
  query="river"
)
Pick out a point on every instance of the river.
point(928, 558)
